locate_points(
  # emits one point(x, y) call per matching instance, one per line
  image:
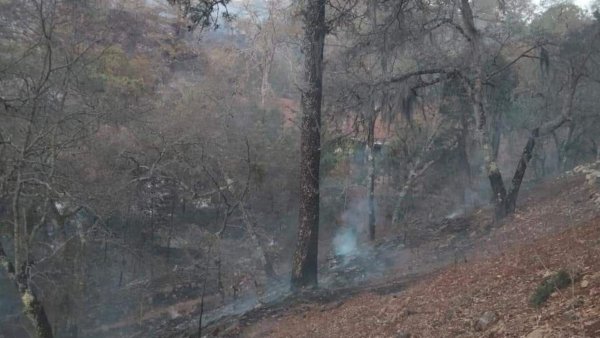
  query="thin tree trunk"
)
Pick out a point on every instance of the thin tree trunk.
point(265, 86)
point(370, 144)
point(557, 145)
point(369, 153)
point(564, 148)
point(201, 309)
point(464, 157)
point(597, 146)
point(171, 226)
point(420, 167)
point(511, 197)
point(304, 270)
point(220, 286)
point(496, 133)
point(408, 184)
point(18, 233)
point(265, 260)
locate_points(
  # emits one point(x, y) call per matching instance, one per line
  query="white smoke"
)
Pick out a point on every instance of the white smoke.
point(345, 242)
point(354, 223)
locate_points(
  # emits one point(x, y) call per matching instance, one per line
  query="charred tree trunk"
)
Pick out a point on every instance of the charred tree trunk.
point(33, 308)
point(511, 197)
point(304, 270)
point(498, 189)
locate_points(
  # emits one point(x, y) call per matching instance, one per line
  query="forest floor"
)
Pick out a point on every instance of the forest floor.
point(556, 228)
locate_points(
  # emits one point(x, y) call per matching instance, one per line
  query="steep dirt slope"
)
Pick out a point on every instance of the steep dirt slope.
point(556, 228)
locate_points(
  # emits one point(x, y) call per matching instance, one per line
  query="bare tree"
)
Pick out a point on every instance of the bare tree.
point(505, 199)
point(44, 117)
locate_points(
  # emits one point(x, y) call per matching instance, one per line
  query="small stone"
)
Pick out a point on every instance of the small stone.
point(547, 274)
point(585, 283)
point(488, 319)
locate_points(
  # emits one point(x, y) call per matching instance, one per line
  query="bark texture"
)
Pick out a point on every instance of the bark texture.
point(304, 270)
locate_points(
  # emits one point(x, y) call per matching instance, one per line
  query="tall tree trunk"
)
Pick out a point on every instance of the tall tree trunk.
point(304, 270)
point(18, 233)
point(376, 109)
point(32, 306)
point(463, 153)
point(478, 103)
point(370, 155)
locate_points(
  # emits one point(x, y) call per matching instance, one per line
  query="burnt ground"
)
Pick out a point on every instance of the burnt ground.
point(556, 228)
point(443, 280)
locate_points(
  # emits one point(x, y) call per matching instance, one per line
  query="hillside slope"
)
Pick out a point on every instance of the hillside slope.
point(557, 228)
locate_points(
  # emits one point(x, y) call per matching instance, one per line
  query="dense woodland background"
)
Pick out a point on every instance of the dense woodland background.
point(147, 158)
